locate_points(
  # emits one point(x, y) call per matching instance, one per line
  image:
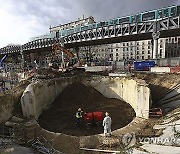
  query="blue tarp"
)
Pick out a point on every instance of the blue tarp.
point(3, 58)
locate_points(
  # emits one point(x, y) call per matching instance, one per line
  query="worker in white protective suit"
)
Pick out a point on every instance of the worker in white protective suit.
point(107, 125)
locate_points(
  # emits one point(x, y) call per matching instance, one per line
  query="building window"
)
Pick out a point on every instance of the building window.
point(123, 44)
point(142, 52)
point(161, 46)
point(127, 44)
point(149, 56)
point(127, 49)
point(137, 43)
point(116, 54)
point(137, 48)
point(137, 57)
point(149, 42)
point(142, 57)
point(123, 49)
point(179, 40)
point(137, 52)
point(116, 49)
point(131, 48)
point(149, 51)
point(149, 47)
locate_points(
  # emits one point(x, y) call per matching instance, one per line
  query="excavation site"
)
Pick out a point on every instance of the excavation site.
point(60, 116)
point(44, 110)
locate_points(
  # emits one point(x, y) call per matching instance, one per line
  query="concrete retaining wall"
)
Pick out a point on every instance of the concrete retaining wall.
point(38, 96)
point(10, 101)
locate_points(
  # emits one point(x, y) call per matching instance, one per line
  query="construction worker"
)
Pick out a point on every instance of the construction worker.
point(129, 67)
point(79, 115)
point(107, 125)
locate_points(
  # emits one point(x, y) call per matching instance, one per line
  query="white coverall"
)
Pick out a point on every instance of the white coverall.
point(107, 125)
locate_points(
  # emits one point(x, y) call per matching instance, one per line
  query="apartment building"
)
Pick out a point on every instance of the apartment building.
point(96, 53)
point(172, 47)
point(134, 50)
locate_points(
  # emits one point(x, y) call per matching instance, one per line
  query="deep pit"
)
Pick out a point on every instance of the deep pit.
point(60, 116)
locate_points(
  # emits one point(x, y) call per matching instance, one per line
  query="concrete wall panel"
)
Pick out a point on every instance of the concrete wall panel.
point(42, 94)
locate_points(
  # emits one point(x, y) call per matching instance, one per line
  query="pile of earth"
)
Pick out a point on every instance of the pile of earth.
point(60, 117)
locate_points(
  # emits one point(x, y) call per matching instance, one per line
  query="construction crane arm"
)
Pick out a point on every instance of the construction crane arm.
point(58, 47)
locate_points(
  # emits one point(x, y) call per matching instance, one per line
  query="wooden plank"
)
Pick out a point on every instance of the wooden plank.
point(100, 150)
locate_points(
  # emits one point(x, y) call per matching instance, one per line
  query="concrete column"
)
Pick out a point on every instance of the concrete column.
point(77, 52)
point(62, 53)
point(22, 58)
point(155, 36)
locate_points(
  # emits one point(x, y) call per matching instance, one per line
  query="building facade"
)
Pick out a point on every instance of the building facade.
point(172, 47)
point(133, 50)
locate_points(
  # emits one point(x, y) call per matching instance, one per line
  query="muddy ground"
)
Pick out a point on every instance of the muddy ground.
point(60, 117)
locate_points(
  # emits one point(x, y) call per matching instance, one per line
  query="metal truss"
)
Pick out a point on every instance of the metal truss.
point(123, 30)
point(112, 31)
point(10, 49)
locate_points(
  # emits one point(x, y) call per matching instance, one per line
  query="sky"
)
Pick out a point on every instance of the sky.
point(22, 19)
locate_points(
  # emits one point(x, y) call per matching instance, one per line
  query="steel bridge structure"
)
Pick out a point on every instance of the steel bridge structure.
point(105, 35)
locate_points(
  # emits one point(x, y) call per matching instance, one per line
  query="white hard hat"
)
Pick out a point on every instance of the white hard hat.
point(106, 113)
point(79, 109)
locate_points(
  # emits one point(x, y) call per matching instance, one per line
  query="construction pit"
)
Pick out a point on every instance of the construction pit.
point(54, 102)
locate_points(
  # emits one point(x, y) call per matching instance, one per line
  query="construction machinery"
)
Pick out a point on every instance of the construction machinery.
point(93, 118)
point(155, 112)
point(65, 66)
point(57, 47)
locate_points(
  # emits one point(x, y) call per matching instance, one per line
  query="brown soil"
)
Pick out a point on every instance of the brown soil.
point(60, 117)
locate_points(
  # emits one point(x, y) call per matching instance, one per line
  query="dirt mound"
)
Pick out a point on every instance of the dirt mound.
point(60, 117)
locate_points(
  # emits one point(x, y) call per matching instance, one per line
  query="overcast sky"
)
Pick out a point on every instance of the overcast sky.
point(22, 19)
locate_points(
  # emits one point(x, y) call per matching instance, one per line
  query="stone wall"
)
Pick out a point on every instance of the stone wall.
point(38, 96)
